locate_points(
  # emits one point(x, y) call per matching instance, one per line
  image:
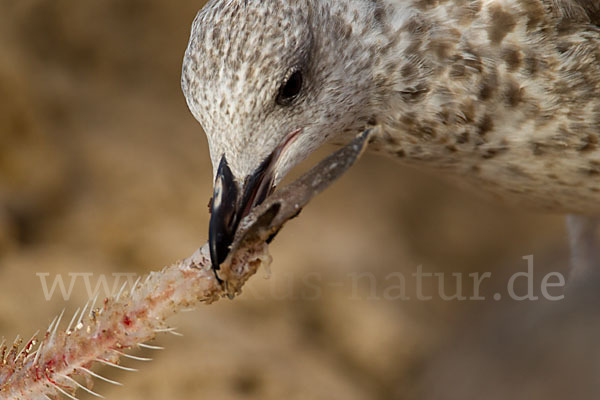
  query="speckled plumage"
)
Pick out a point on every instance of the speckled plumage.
point(503, 94)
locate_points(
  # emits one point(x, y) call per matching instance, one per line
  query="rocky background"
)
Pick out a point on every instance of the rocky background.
point(103, 170)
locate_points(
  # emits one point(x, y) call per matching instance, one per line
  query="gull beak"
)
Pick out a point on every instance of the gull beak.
point(230, 204)
point(228, 208)
point(224, 214)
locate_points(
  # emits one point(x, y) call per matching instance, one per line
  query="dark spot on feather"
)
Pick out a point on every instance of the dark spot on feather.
point(593, 168)
point(391, 140)
point(512, 57)
point(444, 117)
point(486, 125)
point(407, 70)
point(426, 4)
point(379, 14)
point(535, 13)
point(468, 110)
point(408, 119)
point(513, 94)
point(501, 24)
point(563, 47)
point(457, 71)
point(463, 137)
point(415, 93)
point(440, 48)
point(414, 26)
point(474, 63)
point(493, 152)
point(531, 64)
point(537, 149)
point(489, 85)
point(424, 132)
point(414, 46)
point(589, 143)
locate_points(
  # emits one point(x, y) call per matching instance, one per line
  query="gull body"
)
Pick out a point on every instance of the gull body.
point(503, 95)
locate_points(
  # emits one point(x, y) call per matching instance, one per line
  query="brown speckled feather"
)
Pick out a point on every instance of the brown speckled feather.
point(579, 10)
point(505, 96)
point(501, 94)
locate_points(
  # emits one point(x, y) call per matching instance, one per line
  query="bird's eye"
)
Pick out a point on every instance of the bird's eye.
point(290, 89)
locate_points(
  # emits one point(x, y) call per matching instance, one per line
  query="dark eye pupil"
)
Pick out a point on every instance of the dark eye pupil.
point(292, 87)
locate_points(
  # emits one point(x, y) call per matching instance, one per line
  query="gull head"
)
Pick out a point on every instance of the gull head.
point(270, 81)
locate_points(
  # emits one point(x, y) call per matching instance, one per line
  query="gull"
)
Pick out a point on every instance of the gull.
point(503, 95)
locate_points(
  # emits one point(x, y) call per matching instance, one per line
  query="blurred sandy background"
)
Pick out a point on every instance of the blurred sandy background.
point(104, 170)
